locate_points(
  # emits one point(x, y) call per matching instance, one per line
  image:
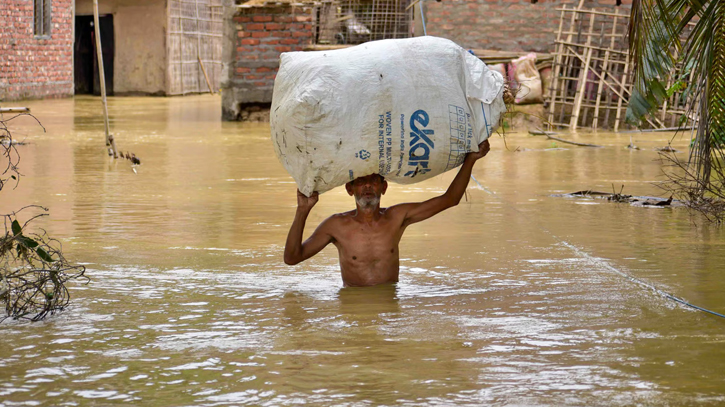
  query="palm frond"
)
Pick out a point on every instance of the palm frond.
point(655, 29)
point(654, 44)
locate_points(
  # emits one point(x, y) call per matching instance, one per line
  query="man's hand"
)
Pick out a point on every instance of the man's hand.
point(295, 250)
point(306, 203)
point(483, 149)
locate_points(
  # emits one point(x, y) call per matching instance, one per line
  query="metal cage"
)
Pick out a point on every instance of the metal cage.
point(356, 21)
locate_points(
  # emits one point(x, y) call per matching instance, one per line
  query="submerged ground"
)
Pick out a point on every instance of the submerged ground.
point(512, 298)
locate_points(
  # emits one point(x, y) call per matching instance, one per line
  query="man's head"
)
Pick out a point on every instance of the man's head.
point(367, 190)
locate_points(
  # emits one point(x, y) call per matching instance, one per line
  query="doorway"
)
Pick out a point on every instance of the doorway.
point(85, 69)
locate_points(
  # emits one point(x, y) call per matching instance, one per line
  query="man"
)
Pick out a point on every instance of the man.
point(367, 238)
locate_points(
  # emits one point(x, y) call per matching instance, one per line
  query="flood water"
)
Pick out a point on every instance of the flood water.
point(512, 298)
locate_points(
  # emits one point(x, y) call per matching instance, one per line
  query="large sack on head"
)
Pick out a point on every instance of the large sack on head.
point(406, 109)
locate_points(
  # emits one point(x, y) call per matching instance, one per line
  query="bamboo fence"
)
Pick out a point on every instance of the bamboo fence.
point(194, 46)
point(592, 75)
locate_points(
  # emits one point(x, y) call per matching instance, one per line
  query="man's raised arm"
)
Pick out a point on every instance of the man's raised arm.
point(424, 210)
point(296, 251)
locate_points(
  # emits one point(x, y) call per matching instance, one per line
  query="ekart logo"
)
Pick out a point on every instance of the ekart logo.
point(420, 144)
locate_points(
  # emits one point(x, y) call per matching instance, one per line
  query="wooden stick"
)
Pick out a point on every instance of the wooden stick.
point(181, 53)
point(565, 90)
point(554, 85)
point(541, 133)
point(665, 103)
point(198, 49)
point(599, 13)
point(205, 76)
point(605, 66)
point(412, 5)
point(14, 110)
point(583, 79)
point(619, 101)
point(110, 142)
point(660, 130)
point(627, 90)
point(572, 142)
point(614, 51)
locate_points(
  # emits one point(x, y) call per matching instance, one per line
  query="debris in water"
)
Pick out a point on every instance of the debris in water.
point(644, 201)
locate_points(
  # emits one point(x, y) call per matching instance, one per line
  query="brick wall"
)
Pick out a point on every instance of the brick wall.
point(506, 25)
point(261, 35)
point(35, 67)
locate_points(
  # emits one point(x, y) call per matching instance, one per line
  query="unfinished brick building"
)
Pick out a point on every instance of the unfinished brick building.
point(258, 31)
point(150, 47)
point(36, 51)
point(256, 34)
point(506, 25)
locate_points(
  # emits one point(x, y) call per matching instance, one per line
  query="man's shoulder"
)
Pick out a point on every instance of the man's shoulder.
point(399, 208)
point(340, 217)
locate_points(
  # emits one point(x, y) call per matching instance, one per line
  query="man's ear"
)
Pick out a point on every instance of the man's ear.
point(385, 186)
point(348, 188)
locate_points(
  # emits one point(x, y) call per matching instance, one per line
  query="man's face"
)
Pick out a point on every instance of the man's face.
point(367, 190)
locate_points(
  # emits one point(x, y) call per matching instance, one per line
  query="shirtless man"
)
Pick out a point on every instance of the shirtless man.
point(367, 238)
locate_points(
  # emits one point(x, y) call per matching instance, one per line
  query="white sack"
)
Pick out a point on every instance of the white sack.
point(407, 109)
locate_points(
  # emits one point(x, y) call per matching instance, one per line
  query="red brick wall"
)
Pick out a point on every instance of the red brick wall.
point(506, 25)
point(35, 67)
point(263, 33)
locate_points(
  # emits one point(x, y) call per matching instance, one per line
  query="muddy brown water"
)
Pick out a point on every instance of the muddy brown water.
point(191, 304)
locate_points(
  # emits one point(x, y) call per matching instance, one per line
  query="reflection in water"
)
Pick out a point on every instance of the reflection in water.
point(191, 304)
point(378, 300)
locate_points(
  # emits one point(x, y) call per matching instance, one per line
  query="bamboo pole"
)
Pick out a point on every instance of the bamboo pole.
point(14, 110)
point(206, 76)
point(574, 19)
point(181, 49)
point(110, 142)
point(198, 50)
point(554, 86)
point(619, 101)
point(605, 66)
point(595, 12)
point(598, 75)
point(666, 102)
point(550, 137)
point(198, 46)
point(582, 79)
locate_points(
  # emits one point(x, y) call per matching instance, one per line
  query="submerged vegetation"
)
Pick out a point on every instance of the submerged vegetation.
point(33, 270)
point(687, 37)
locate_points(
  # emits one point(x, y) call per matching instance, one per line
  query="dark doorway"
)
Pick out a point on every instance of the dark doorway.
point(85, 71)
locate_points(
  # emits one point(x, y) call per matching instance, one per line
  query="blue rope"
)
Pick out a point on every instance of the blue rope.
point(488, 133)
point(422, 16)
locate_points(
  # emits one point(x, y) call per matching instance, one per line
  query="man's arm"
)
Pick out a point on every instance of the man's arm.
point(417, 212)
point(296, 251)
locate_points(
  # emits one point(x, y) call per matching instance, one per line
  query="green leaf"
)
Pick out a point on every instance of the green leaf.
point(658, 91)
point(638, 107)
point(28, 242)
point(44, 255)
point(16, 228)
point(678, 86)
point(13, 177)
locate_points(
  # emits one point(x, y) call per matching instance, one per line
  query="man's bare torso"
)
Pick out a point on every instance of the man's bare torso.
point(368, 250)
point(367, 238)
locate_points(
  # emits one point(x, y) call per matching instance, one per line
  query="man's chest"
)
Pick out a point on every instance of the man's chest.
point(370, 236)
